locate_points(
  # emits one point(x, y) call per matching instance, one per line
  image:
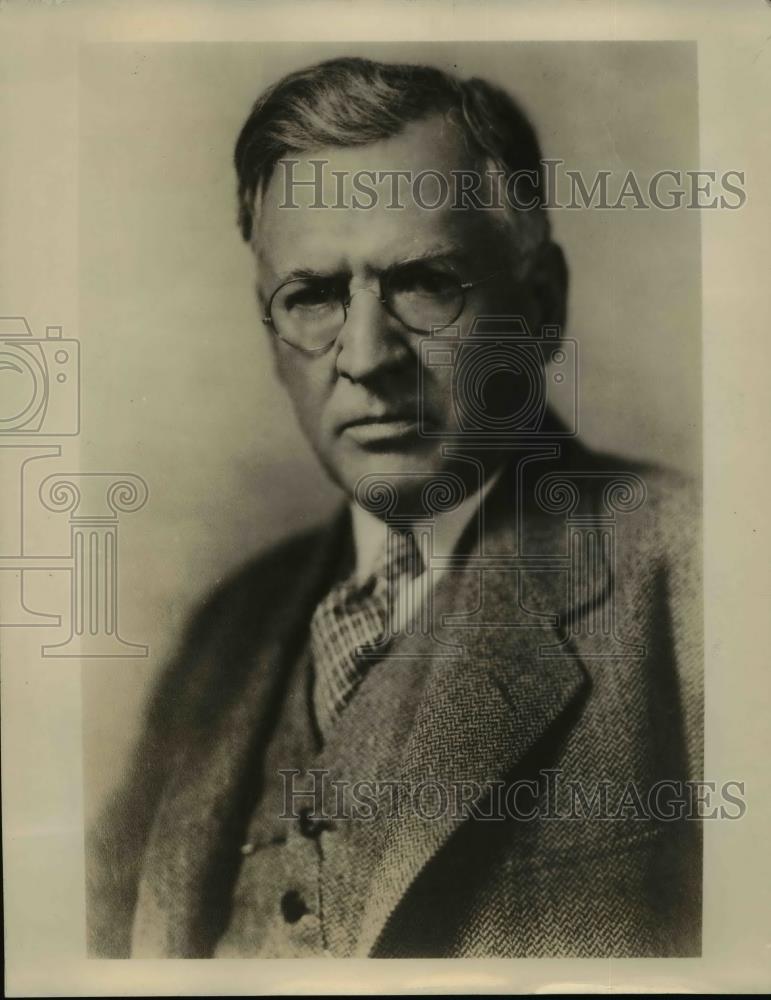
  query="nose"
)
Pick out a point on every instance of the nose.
point(371, 340)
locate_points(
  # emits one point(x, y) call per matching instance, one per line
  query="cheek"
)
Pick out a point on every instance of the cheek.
point(308, 386)
point(437, 393)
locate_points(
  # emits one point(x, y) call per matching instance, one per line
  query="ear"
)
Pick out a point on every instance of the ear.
point(277, 354)
point(548, 284)
point(262, 308)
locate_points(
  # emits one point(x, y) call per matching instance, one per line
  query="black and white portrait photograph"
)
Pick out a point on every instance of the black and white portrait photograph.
point(358, 492)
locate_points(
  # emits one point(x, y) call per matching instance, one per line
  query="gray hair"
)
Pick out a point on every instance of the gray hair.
point(352, 102)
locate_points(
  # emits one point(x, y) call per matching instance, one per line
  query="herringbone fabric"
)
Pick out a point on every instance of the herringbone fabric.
point(348, 628)
point(518, 698)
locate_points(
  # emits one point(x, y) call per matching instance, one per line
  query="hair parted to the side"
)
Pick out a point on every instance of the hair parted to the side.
point(352, 102)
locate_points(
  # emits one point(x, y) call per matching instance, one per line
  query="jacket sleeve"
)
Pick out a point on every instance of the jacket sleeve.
point(206, 671)
point(681, 525)
point(115, 844)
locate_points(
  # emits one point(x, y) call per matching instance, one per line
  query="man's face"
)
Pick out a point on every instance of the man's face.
point(358, 401)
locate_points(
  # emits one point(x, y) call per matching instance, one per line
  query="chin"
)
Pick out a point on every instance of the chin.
point(405, 472)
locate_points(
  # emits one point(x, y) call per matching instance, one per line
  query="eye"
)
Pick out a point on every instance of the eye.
point(424, 280)
point(308, 295)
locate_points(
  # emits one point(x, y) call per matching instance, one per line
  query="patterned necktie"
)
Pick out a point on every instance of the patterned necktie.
point(348, 628)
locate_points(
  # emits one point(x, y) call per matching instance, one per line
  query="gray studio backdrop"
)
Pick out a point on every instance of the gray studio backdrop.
point(177, 384)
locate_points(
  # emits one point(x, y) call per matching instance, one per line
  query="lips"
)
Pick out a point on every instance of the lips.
point(373, 429)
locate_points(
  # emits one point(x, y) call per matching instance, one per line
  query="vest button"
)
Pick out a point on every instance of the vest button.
point(293, 906)
point(310, 827)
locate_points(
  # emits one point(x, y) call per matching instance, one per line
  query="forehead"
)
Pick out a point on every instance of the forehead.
point(388, 224)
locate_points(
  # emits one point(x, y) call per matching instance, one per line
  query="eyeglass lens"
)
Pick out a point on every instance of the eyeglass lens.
point(310, 312)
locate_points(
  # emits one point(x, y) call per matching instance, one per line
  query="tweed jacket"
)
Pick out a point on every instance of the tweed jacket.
point(565, 654)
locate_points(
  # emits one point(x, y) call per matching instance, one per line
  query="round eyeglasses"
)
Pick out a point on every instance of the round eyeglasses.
point(309, 313)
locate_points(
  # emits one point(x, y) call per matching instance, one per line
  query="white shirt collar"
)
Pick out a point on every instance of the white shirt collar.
point(369, 532)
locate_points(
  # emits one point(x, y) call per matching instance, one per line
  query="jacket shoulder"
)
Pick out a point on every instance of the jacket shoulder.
point(264, 575)
point(210, 665)
point(238, 614)
point(667, 494)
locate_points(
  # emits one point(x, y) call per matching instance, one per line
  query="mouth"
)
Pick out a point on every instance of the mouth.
point(381, 429)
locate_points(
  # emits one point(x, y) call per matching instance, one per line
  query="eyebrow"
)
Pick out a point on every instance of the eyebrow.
point(304, 272)
point(443, 251)
point(439, 251)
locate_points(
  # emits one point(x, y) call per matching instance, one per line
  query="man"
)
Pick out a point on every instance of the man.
point(459, 720)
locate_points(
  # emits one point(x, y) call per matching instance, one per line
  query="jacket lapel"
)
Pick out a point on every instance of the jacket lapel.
point(481, 712)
